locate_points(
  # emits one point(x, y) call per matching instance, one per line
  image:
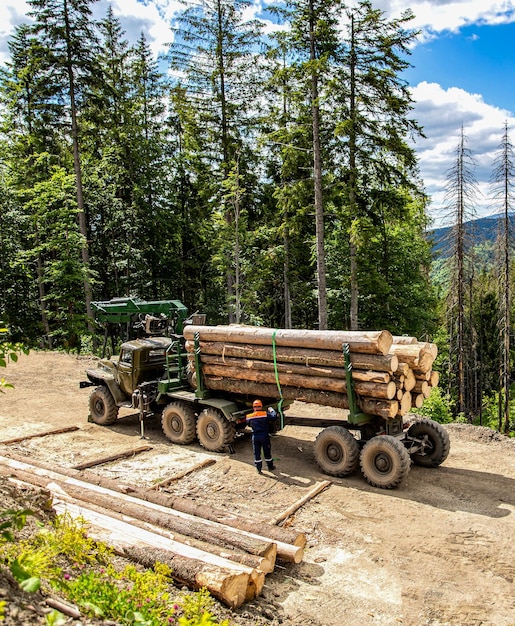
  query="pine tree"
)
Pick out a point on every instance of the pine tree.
point(215, 51)
point(373, 103)
point(66, 31)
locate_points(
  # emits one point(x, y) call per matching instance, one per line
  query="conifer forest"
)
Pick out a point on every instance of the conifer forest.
point(260, 178)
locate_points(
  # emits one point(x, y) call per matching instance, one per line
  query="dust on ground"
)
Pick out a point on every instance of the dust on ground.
point(437, 551)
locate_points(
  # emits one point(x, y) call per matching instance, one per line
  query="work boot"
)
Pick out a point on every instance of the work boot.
point(271, 467)
point(259, 470)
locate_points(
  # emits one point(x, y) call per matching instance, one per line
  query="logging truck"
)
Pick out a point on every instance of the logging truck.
point(202, 380)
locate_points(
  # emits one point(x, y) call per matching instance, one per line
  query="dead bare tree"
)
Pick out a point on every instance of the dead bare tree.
point(502, 182)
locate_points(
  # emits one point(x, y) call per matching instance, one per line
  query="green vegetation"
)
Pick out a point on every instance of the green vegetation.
point(60, 559)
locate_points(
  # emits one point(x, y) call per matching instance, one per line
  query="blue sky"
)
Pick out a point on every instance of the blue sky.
point(463, 74)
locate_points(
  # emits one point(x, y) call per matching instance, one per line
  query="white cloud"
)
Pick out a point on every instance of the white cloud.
point(443, 113)
point(11, 15)
point(441, 15)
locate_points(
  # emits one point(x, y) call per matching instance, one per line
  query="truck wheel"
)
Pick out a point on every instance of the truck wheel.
point(178, 423)
point(336, 451)
point(214, 431)
point(433, 440)
point(385, 462)
point(102, 407)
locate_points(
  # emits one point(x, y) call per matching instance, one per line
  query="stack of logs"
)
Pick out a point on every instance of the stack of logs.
point(390, 375)
point(226, 553)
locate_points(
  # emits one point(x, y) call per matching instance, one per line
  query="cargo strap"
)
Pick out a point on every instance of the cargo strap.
point(280, 404)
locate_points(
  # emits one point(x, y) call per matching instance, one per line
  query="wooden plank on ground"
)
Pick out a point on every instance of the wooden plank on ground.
point(114, 457)
point(46, 433)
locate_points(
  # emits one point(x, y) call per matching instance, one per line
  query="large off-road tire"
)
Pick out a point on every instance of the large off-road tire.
point(214, 431)
point(336, 451)
point(434, 440)
point(102, 407)
point(385, 462)
point(178, 422)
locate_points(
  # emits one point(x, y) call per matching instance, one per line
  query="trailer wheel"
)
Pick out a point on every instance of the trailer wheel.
point(214, 431)
point(102, 407)
point(385, 462)
point(432, 443)
point(178, 423)
point(336, 451)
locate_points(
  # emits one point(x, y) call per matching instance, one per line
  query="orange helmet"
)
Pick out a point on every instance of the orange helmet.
point(257, 404)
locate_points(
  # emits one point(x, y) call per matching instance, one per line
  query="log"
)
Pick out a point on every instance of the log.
point(384, 391)
point(225, 583)
point(179, 475)
point(404, 340)
point(46, 433)
point(417, 400)
point(301, 502)
point(112, 457)
point(382, 408)
point(409, 379)
point(294, 368)
point(309, 357)
point(422, 386)
point(434, 379)
point(258, 566)
point(222, 516)
point(372, 342)
point(415, 356)
point(168, 518)
point(405, 403)
point(175, 521)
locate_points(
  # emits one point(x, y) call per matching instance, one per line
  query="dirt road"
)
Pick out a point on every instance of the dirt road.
point(438, 550)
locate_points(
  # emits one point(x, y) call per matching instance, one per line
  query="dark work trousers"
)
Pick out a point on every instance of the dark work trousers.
point(262, 442)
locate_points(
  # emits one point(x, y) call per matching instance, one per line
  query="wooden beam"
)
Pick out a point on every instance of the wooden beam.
point(179, 475)
point(46, 433)
point(301, 502)
point(114, 457)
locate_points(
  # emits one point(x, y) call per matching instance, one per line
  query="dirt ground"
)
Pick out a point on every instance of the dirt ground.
point(438, 550)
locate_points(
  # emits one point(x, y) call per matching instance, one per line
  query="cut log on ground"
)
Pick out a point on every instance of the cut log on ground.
point(188, 566)
point(222, 516)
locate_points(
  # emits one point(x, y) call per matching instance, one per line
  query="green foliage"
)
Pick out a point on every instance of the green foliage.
point(437, 407)
point(8, 352)
point(62, 557)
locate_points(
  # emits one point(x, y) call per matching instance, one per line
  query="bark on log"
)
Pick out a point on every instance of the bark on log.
point(258, 566)
point(372, 342)
point(383, 408)
point(305, 356)
point(195, 526)
point(375, 390)
point(112, 457)
point(294, 368)
point(227, 584)
point(174, 521)
point(222, 516)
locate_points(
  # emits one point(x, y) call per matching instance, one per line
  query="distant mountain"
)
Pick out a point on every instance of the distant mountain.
point(479, 231)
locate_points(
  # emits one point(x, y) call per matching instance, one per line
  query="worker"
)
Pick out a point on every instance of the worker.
point(259, 421)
